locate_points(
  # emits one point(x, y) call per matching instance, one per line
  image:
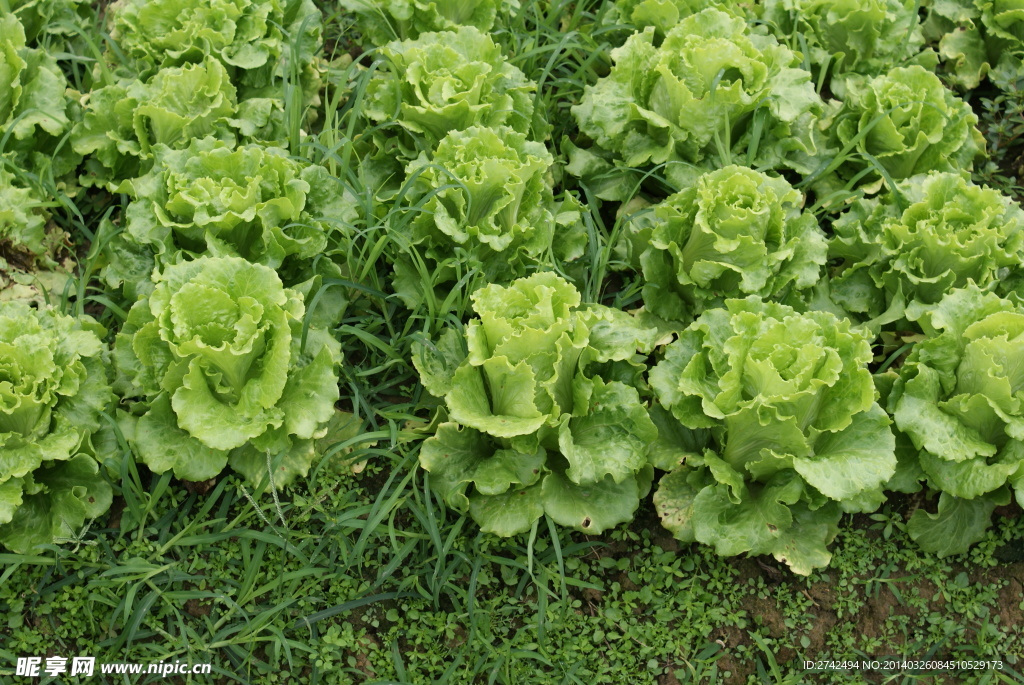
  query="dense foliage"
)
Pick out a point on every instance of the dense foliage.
point(739, 242)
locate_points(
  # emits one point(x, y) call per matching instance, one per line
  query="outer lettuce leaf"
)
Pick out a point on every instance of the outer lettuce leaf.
point(959, 399)
point(905, 250)
point(796, 436)
point(53, 390)
point(737, 232)
point(711, 93)
point(956, 525)
point(215, 357)
point(67, 493)
point(535, 428)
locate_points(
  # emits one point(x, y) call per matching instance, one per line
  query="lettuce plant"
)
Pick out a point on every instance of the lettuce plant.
point(978, 39)
point(122, 122)
point(485, 198)
point(446, 81)
point(663, 15)
point(215, 199)
point(33, 103)
point(737, 232)
point(54, 25)
point(1004, 38)
point(259, 42)
point(23, 221)
point(850, 37)
point(959, 399)
point(221, 372)
point(905, 122)
point(795, 436)
point(712, 93)
point(535, 424)
point(383, 22)
point(896, 255)
point(53, 391)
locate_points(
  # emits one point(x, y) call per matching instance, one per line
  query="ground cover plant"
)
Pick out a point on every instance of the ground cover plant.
point(620, 341)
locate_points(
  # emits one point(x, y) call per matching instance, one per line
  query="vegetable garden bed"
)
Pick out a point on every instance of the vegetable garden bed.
point(626, 341)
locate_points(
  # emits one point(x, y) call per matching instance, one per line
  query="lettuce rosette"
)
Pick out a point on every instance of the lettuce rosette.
point(897, 255)
point(534, 421)
point(792, 435)
point(663, 15)
point(34, 105)
point(904, 123)
point(383, 22)
point(27, 237)
point(219, 200)
point(978, 39)
point(442, 82)
point(123, 122)
point(217, 371)
point(55, 25)
point(53, 393)
point(712, 93)
point(261, 43)
point(485, 199)
point(847, 39)
point(960, 399)
point(736, 232)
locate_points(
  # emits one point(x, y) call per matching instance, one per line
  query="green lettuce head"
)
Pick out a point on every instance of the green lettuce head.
point(979, 39)
point(443, 82)
point(258, 41)
point(711, 94)
point(849, 38)
point(123, 122)
point(53, 392)
point(897, 255)
point(33, 103)
point(55, 25)
point(484, 198)
point(383, 22)
point(663, 15)
point(795, 436)
point(907, 123)
point(960, 400)
point(218, 200)
point(535, 424)
point(216, 359)
point(736, 232)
